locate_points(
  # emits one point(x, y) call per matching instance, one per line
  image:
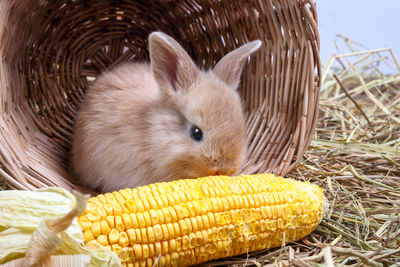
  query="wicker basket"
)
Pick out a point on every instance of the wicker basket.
point(50, 50)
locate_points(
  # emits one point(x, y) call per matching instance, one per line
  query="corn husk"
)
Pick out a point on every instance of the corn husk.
point(25, 217)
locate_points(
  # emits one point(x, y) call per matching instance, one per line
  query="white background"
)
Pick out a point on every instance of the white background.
point(372, 23)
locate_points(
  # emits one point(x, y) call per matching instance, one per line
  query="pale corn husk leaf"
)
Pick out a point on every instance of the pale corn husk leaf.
point(22, 212)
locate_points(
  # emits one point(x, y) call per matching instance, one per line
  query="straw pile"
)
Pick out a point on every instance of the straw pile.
point(355, 157)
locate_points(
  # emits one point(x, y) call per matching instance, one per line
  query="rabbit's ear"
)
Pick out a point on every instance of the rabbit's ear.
point(172, 67)
point(229, 68)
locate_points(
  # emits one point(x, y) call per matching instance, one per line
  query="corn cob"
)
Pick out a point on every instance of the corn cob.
point(191, 221)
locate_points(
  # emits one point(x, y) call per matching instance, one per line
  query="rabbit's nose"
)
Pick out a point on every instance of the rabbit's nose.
point(221, 172)
point(215, 172)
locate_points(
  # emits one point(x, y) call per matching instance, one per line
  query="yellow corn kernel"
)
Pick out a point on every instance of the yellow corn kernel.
point(117, 209)
point(111, 221)
point(145, 250)
point(96, 229)
point(118, 196)
point(146, 216)
point(173, 231)
point(157, 248)
point(110, 198)
point(138, 235)
point(85, 223)
point(102, 199)
point(105, 228)
point(188, 225)
point(113, 236)
point(108, 208)
point(91, 206)
point(103, 240)
point(146, 203)
point(139, 205)
point(126, 219)
point(137, 249)
point(151, 250)
point(140, 219)
point(134, 220)
point(172, 213)
point(187, 222)
point(153, 203)
point(154, 216)
point(182, 227)
point(158, 232)
point(131, 236)
point(88, 235)
point(93, 216)
point(123, 239)
point(130, 205)
point(126, 193)
point(119, 225)
point(193, 223)
point(102, 212)
point(143, 234)
point(177, 230)
point(150, 235)
point(164, 247)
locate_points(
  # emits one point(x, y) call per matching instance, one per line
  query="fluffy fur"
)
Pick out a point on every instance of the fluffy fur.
point(133, 127)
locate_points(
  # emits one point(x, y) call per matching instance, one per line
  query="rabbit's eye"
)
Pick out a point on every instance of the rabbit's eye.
point(196, 134)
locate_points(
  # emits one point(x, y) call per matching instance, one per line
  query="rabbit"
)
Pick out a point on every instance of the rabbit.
point(142, 123)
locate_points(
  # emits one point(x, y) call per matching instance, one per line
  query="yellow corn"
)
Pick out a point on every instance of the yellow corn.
point(191, 221)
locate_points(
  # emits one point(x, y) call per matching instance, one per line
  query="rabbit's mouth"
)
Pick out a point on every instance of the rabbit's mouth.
point(214, 172)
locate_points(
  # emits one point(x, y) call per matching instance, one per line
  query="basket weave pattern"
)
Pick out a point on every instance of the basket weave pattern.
point(51, 50)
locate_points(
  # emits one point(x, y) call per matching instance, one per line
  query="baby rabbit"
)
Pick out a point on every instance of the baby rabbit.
point(145, 123)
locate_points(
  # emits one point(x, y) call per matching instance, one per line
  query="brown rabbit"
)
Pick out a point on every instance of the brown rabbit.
point(145, 123)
